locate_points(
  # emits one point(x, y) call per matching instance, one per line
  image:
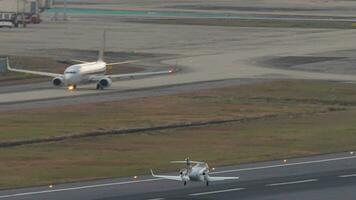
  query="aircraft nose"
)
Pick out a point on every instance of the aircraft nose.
point(68, 78)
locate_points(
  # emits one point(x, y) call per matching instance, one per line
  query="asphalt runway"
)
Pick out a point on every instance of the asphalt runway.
point(210, 57)
point(330, 176)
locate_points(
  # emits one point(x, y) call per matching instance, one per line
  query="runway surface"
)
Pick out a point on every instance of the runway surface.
point(330, 176)
point(210, 57)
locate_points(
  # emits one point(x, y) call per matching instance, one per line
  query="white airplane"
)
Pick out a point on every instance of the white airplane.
point(88, 72)
point(199, 173)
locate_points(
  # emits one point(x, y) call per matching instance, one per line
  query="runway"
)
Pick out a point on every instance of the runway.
point(209, 57)
point(318, 177)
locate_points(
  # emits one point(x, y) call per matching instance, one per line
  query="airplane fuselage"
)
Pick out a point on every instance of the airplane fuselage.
point(82, 73)
point(197, 174)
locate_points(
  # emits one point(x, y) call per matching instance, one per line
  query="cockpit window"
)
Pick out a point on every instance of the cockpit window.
point(70, 72)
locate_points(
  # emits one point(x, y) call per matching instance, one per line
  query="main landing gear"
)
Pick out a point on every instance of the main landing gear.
point(99, 87)
point(185, 183)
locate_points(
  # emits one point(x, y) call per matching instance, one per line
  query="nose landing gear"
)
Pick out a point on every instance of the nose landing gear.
point(72, 87)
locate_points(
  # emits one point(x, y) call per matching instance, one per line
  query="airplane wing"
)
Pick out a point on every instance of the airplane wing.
point(79, 61)
point(175, 178)
point(129, 75)
point(121, 63)
point(33, 72)
point(140, 74)
point(221, 178)
point(191, 162)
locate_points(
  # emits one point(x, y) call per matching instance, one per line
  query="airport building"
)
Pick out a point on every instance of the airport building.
point(26, 6)
point(10, 10)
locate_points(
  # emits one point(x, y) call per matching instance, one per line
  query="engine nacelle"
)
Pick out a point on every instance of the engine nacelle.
point(58, 81)
point(105, 82)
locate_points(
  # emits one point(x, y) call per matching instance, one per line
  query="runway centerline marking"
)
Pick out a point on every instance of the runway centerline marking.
point(285, 165)
point(216, 192)
point(157, 179)
point(347, 176)
point(293, 182)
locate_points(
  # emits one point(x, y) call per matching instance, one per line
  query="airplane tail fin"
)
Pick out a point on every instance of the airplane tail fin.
point(102, 50)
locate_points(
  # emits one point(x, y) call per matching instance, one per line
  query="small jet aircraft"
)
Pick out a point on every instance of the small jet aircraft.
point(88, 72)
point(199, 173)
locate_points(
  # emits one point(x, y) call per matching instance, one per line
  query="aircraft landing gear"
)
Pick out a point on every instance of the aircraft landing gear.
point(72, 87)
point(185, 183)
point(99, 87)
point(207, 183)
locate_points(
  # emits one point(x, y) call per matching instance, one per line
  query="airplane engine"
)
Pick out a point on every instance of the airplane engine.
point(58, 81)
point(103, 83)
point(183, 171)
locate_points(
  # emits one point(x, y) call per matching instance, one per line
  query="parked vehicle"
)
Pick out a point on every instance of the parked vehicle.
point(8, 19)
point(6, 24)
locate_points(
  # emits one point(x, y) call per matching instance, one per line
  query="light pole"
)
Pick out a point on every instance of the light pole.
point(65, 11)
point(55, 17)
point(17, 7)
point(23, 13)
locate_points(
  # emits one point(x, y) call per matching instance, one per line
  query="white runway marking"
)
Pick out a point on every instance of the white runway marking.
point(286, 165)
point(293, 182)
point(347, 176)
point(156, 179)
point(76, 188)
point(216, 192)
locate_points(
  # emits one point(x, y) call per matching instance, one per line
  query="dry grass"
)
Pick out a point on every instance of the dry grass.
point(113, 156)
point(318, 131)
point(234, 102)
